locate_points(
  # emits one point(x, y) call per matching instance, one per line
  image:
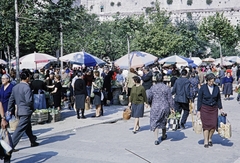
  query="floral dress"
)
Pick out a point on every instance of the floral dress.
point(161, 101)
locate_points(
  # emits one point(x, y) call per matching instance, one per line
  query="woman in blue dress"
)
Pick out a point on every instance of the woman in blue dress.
point(5, 91)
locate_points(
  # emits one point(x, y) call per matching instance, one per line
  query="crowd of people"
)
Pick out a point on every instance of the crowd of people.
point(164, 89)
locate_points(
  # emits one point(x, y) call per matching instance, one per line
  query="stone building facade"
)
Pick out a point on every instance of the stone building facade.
point(198, 9)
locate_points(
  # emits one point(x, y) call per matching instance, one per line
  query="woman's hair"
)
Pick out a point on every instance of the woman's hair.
point(210, 77)
point(132, 70)
point(136, 79)
point(96, 73)
point(58, 77)
point(159, 77)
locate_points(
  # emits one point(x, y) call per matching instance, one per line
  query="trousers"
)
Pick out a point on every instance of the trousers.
point(185, 107)
point(24, 125)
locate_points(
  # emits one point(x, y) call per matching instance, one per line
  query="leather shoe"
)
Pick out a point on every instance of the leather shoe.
point(182, 125)
point(34, 144)
point(205, 145)
point(210, 144)
point(156, 142)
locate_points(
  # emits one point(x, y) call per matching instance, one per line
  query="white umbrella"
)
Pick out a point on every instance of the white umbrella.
point(196, 60)
point(209, 59)
point(175, 59)
point(34, 60)
point(235, 59)
point(3, 62)
point(137, 59)
point(225, 63)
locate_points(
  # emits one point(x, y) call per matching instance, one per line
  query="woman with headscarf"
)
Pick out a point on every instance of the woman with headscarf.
point(5, 91)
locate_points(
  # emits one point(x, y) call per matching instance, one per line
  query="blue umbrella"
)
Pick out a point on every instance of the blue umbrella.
point(81, 58)
point(192, 65)
point(187, 59)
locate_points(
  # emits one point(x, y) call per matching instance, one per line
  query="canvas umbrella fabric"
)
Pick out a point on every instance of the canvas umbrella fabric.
point(175, 59)
point(196, 60)
point(3, 62)
point(235, 59)
point(81, 58)
point(34, 60)
point(225, 63)
point(135, 59)
point(209, 59)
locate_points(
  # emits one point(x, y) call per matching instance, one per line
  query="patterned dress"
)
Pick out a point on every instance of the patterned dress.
point(161, 101)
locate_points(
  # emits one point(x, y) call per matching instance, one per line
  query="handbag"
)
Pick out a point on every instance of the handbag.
point(173, 121)
point(197, 126)
point(87, 104)
point(14, 121)
point(225, 130)
point(6, 141)
point(127, 113)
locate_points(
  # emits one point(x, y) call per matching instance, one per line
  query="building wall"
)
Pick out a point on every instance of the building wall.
point(179, 8)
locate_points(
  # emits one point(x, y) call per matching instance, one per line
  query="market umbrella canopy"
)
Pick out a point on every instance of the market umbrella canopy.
point(196, 60)
point(3, 62)
point(34, 60)
point(137, 59)
point(209, 59)
point(81, 58)
point(175, 59)
point(235, 59)
point(225, 63)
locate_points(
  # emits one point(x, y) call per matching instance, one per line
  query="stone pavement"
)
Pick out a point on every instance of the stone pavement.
point(112, 114)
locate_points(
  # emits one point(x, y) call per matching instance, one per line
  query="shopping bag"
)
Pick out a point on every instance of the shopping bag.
point(13, 123)
point(197, 126)
point(127, 113)
point(225, 130)
point(87, 104)
point(172, 124)
point(6, 141)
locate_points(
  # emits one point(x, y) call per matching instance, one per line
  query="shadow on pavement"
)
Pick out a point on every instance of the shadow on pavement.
point(37, 158)
point(176, 135)
point(216, 139)
point(54, 139)
point(38, 132)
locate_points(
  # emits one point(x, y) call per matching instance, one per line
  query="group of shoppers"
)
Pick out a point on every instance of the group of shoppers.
point(164, 101)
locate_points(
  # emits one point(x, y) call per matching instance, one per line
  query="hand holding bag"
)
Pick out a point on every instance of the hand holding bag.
point(127, 113)
point(197, 126)
point(6, 141)
point(13, 123)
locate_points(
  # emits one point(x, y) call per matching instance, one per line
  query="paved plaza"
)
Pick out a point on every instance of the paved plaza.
point(109, 139)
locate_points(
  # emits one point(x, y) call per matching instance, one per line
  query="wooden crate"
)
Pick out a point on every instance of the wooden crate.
point(53, 117)
point(39, 117)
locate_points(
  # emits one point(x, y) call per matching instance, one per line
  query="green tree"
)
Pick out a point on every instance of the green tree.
point(218, 30)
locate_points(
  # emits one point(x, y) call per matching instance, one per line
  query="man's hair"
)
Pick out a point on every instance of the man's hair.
point(24, 75)
point(184, 72)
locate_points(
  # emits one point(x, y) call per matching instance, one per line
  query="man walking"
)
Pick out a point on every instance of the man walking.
point(147, 79)
point(181, 90)
point(22, 97)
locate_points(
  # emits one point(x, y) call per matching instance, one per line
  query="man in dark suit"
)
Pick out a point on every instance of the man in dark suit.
point(181, 90)
point(147, 79)
point(22, 97)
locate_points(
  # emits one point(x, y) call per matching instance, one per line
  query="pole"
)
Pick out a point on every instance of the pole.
point(61, 44)
point(220, 49)
point(17, 40)
point(129, 62)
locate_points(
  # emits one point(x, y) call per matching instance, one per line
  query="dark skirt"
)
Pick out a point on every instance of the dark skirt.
point(209, 117)
point(57, 100)
point(97, 98)
point(228, 89)
point(80, 101)
point(137, 110)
